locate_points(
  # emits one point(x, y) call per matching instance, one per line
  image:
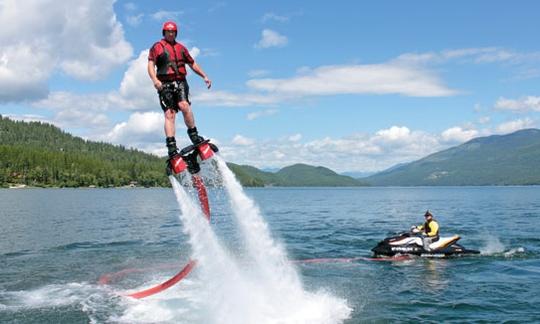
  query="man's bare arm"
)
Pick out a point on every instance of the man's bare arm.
point(197, 69)
point(153, 75)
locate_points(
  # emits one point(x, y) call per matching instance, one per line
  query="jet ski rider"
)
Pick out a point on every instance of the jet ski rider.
point(429, 230)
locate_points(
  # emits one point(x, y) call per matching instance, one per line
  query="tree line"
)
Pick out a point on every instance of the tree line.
point(40, 154)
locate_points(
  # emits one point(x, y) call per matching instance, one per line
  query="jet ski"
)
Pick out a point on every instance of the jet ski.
point(410, 243)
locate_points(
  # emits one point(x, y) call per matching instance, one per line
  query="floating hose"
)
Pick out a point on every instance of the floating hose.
point(205, 207)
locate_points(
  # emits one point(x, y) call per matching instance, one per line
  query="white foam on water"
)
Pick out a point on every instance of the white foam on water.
point(56, 295)
point(178, 304)
point(512, 252)
point(94, 300)
point(492, 245)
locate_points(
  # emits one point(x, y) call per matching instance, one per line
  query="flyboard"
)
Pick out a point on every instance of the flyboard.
point(187, 160)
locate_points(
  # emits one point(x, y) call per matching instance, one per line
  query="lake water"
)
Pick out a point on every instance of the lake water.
point(55, 244)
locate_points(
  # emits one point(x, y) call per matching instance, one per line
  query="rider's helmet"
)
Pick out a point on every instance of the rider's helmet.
point(169, 26)
point(427, 214)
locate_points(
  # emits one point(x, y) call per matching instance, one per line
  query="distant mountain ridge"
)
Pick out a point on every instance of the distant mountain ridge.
point(297, 175)
point(358, 174)
point(512, 159)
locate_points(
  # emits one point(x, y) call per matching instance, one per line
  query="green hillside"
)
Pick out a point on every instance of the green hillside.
point(298, 175)
point(39, 154)
point(250, 176)
point(512, 159)
point(307, 176)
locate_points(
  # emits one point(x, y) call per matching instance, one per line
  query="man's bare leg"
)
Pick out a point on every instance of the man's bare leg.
point(185, 108)
point(170, 131)
point(170, 128)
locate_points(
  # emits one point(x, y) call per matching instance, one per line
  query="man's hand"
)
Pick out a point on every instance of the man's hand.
point(208, 82)
point(158, 85)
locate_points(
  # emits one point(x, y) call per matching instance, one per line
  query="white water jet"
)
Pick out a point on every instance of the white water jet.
point(229, 298)
point(270, 257)
point(272, 266)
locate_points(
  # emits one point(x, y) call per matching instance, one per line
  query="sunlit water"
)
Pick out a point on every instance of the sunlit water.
point(55, 244)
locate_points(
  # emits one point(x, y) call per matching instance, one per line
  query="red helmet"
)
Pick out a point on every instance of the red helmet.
point(170, 26)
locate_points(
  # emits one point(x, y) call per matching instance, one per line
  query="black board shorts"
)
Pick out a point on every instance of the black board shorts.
point(172, 93)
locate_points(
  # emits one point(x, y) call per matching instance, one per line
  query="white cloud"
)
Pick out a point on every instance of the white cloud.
point(272, 16)
point(29, 118)
point(262, 113)
point(194, 52)
point(515, 125)
point(18, 60)
point(243, 141)
point(134, 20)
point(136, 90)
point(295, 137)
point(394, 133)
point(130, 6)
point(81, 118)
point(387, 78)
point(61, 100)
point(478, 108)
point(229, 99)
point(81, 38)
point(482, 55)
point(484, 120)
point(76, 111)
point(527, 73)
point(146, 127)
point(166, 15)
point(529, 103)
point(258, 73)
point(356, 152)
point(270, 38)
point(362, 152)
point(458, 135)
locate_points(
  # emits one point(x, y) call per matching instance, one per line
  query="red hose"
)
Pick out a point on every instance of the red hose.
point(162, 286)
point(203, 195)
point(205, 207)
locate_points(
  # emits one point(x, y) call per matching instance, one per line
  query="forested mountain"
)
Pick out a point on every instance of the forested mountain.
point(512, 159)
point(40, 154)
point(297, 175)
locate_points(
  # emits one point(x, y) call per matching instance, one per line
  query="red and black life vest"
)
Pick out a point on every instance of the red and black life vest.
point(171, 63)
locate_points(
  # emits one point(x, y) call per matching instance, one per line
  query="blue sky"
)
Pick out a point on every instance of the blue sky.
point(358, 87)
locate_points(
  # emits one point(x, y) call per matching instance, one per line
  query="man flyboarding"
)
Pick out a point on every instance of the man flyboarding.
point(167, 68)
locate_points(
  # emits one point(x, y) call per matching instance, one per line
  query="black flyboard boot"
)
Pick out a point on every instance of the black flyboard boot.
point(175, 163)
point(206, 148)
point(188, 157)
point(194, 136)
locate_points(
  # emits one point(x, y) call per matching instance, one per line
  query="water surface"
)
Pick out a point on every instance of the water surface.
point(55, 244)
